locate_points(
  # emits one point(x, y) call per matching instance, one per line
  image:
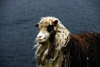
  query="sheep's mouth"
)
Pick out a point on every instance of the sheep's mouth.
point(42, 40)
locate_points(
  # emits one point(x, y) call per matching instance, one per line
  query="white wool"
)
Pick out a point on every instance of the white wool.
point(61, 37)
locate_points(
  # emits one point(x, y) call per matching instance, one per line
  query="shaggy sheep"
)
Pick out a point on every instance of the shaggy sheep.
point(57, 47)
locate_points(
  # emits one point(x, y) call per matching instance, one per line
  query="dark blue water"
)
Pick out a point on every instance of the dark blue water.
point(18, 17)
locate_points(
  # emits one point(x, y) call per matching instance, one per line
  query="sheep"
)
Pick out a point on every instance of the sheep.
point(57, 47)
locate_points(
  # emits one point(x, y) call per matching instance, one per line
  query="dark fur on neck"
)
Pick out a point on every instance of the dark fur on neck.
point(52, 36)
point(52, 45)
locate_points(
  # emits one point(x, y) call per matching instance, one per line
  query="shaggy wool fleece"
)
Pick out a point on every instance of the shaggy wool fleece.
point(56, 47)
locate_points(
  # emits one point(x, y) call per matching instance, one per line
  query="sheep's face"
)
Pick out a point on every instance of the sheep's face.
point(45, 30)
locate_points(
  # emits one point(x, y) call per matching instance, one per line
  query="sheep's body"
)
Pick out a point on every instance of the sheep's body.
point(62, 49)
point(83, 50)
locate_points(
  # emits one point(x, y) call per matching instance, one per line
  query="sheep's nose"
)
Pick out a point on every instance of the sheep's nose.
point(39, 37)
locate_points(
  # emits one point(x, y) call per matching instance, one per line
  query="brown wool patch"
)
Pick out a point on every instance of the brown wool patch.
point(63, 32)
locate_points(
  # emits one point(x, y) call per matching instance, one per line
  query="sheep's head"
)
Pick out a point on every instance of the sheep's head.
point(46, 26)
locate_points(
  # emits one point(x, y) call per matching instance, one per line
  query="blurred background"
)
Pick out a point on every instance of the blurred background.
point(18, 19)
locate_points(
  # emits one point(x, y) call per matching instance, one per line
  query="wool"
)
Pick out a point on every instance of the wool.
point(84, 50)
point(63, 49)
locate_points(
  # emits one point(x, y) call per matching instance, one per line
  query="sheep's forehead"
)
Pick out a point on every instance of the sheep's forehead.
point(44, 24)
point(46, 21)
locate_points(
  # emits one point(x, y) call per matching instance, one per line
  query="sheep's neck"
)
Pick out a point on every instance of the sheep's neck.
point(45, 44)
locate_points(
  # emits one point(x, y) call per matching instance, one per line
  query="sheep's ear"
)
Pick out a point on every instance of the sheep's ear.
point(37, 25)
point(55, 22)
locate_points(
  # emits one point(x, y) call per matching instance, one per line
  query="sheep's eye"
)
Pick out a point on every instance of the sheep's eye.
point(50, 28)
